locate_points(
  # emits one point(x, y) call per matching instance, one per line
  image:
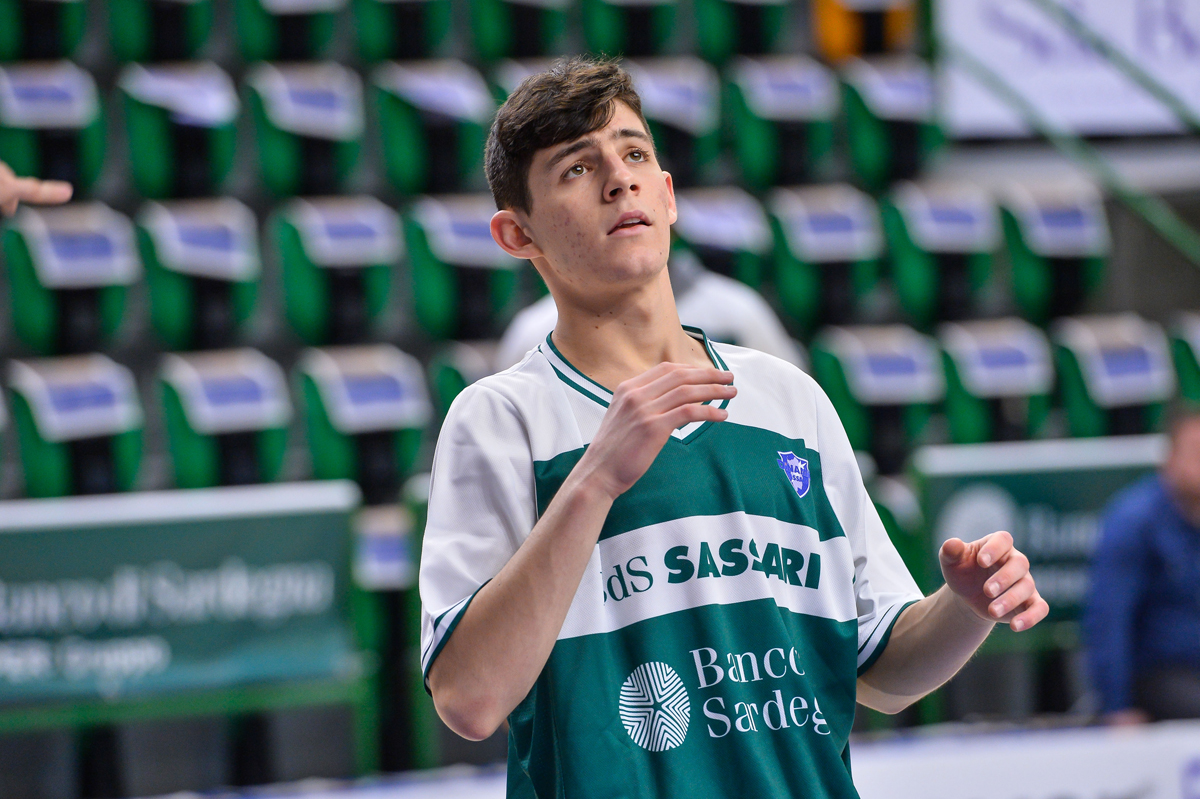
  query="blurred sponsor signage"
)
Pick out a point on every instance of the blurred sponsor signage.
point(1072, 86)
point(1048, 494)
point(134, 594)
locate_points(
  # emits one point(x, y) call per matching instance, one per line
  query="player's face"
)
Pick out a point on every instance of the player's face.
point(602, 206)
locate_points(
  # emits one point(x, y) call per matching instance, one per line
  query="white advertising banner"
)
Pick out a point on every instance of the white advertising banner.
point(1160, 761)
point(1074, 88)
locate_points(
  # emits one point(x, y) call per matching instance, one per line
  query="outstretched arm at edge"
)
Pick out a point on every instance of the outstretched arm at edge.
point(14, 190)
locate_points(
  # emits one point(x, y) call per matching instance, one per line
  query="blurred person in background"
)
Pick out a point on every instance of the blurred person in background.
point(14, 190)
point(1142, 621)
point(725, 309)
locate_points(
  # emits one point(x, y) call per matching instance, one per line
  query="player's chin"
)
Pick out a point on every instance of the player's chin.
point(644, 252)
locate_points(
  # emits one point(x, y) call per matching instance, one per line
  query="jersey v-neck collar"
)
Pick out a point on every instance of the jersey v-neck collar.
point(602, 396)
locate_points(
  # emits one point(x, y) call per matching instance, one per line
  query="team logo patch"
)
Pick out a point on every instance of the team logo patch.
point(796, 470)
point(654, 707)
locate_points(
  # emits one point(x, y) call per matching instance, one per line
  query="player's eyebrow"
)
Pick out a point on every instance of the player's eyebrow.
point(592, 141)
point(571, 149)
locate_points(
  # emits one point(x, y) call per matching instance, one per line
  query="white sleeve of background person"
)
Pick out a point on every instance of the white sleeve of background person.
point(764, 331)
point(882, 583)
point(723, 307)
point(528, 329)
point(481, 508)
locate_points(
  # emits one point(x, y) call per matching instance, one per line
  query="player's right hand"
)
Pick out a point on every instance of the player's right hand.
point(644, 411)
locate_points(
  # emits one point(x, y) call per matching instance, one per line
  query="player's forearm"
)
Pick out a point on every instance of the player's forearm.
point(505, 637)
point(931, 641)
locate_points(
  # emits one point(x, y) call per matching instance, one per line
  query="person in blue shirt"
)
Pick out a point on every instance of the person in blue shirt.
point(1142, 621)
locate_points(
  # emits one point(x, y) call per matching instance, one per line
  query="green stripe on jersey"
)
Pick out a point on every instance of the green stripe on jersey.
point(729, 468)
point(718, 701)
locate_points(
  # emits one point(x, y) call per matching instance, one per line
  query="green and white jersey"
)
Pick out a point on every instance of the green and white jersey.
point(736, 591)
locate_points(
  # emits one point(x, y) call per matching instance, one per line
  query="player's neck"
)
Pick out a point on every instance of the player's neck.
point(626, 335)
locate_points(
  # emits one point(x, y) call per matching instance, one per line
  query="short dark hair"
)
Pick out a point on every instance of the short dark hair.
point(574, 97)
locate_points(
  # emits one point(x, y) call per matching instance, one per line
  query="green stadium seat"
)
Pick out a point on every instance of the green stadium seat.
point(181, 126)
point(681, 100)
point(890, 124)
point(1185, 350)
point(159, 30)
point(828, 251)
point(1058, 242)
point(365, 409)
point(999, 379)
point(628, 27)
point(385, 548)
point(1115, 373)
point(404, 29)
point(68, 270)
point(728, 230)
point(41, 29)
point(202, 269)
point(309, 123)
point(518, 28)
point(456, 365)
point(51, 124)
point(337, 256)
point(285, 30)
point(434, 118)
point(79, 425)
point(780, 113)
point(941, 237)
point(463, 283)
point(884, 381)
point(226, 413)
point(729, 27)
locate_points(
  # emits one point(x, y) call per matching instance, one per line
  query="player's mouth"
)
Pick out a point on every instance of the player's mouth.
point(630, 221)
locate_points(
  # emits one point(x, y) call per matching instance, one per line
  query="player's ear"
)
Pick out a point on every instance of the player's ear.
point(511, 235)
point(672, 213)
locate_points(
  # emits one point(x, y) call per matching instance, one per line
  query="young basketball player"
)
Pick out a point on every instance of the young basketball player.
point(653, 554)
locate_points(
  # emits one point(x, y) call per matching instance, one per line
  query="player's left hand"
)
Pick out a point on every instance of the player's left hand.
point(992, 578)
point(14, 190)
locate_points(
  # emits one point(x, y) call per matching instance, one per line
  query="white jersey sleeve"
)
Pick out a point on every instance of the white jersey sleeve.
point(882, 584)
point(481, 508)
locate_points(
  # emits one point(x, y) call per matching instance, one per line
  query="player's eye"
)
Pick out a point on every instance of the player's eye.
point(638, 155)
point(575, 170)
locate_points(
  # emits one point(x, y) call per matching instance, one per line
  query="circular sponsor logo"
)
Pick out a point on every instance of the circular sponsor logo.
point(655, 708)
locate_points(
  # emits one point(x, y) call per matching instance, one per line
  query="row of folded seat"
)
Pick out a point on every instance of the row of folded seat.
point(819, 252)
point(227, 413)
point(775, 116)
point(171, 30)
point(366, 408)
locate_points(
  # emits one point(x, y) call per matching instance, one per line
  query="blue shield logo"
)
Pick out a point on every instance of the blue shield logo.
point(796, 470)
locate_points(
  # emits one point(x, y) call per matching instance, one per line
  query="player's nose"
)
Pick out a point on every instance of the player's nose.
point(619, 179)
